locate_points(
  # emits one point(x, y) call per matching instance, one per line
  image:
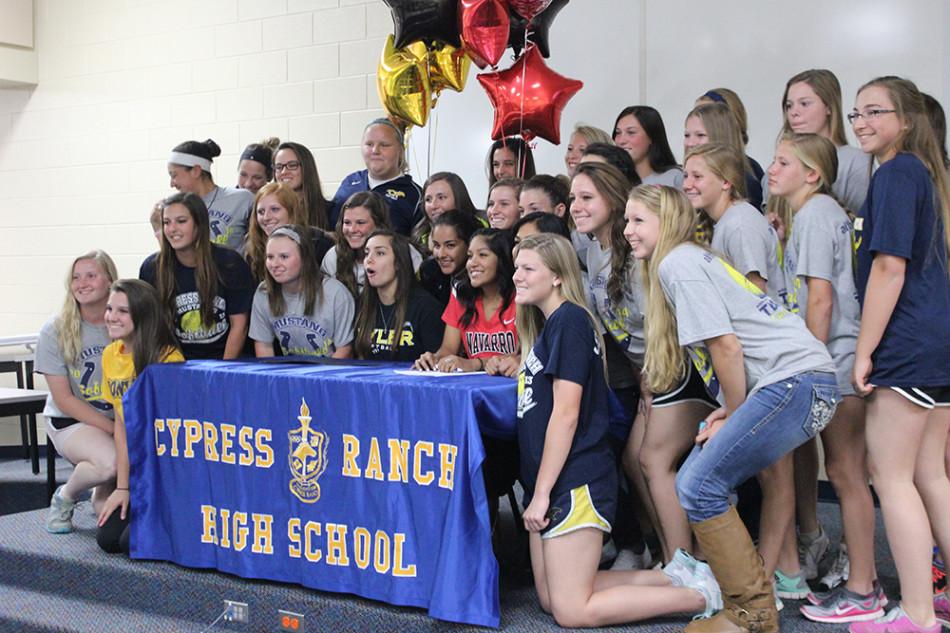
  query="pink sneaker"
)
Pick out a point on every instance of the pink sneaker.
point(942, 608)
point(895, 621)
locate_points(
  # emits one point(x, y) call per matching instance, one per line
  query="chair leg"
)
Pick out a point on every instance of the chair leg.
point(50, 469)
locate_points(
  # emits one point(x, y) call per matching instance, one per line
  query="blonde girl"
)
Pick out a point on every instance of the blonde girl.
point(820, 279)
point(78, 417)
point(776, 379)
point(566, 462)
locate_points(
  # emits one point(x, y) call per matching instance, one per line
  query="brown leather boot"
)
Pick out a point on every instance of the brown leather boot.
point(746, 589)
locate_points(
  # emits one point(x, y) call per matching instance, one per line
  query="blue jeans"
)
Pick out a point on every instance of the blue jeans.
point(769, 424)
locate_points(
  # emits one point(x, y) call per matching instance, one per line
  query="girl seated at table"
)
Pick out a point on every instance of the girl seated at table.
point(309, 313)
point(441, 273)
point(361, 214)
point(567, 465)
point(78, 418)
point(205, 289)
point(140, 337)
point(397, 319)
point(480, 317)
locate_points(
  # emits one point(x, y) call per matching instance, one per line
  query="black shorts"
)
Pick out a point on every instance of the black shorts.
point(589, 506)
point(926, 397)
point(691, 389)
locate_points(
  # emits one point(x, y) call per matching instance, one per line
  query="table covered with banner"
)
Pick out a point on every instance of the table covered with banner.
point(341, 478)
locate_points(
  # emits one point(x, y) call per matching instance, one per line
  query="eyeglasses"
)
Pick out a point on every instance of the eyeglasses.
point(293, 165)
point(867, 115)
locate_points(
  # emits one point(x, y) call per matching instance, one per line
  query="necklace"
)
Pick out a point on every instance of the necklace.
point(382, 316)
point(217, 190)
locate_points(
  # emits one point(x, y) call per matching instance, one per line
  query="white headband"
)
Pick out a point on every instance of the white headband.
point(189, 160)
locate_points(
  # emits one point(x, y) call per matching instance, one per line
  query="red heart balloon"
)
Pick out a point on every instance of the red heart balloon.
point(484, 26)
point(529, 8)
point(533, 108)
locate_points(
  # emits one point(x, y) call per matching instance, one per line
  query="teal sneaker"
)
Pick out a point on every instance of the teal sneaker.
point(791, 587)
point(59, 518)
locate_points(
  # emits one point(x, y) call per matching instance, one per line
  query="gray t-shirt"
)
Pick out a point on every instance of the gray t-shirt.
point(711, 298)
point(329, 266)
point(851, 181)
point(84, 373)
point(672, 177)
point(229, 211)
point(745, 237)
point(320, 333)
point(820, 247)
point(623, 321)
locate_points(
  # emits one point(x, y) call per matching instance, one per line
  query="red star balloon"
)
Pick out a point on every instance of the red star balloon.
point(533, 109)
point(484, 29)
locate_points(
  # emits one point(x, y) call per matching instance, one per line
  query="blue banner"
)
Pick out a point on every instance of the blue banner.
point(350, 479)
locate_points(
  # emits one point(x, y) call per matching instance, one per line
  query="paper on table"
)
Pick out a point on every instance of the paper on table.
point(435, 374)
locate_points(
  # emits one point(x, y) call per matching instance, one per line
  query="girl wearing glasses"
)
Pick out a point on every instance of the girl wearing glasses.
point(295, 167)
point(229, 209)
point(384, 153)
point(902, 361)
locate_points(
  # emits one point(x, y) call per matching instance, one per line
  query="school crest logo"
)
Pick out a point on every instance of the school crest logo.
point(307, 457)
point(395, 194)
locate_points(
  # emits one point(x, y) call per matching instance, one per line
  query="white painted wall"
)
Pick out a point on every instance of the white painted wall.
point(82, 155)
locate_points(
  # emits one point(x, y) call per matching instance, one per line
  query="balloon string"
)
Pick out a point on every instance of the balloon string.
point(523, 155)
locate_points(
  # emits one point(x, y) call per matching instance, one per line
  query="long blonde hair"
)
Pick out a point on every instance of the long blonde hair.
point(69, 321)
point(665, 361)
point(918, 138)
point(828, 89)
point(816, 153)
point(559, 256)
point(723, 128)
point(726, 164)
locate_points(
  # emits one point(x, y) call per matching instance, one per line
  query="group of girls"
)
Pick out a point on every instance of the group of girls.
point(630, 299)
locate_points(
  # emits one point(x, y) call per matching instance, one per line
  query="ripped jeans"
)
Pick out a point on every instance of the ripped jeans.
point(773, 421)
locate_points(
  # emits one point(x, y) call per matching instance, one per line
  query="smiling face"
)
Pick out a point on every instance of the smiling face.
point(357, 225)
point(704, 189)
point(283, 261)
point(450, 251)
point(179, 227)
point(535, 283)
point(504, 164)
point(381, 151)
point(89, 284)
point(629, 135)
point(502, 208)
point(251, 175)
point(380, 262)
point(589, 208)
point(642, 230)
point(271, 214)
point(184, 179)
point(535, 200)
point(878, 135)
point(575, 150)
point(805, 112)
point(482, 264)
point(439, 198)
point(287, 169)
point(119, 317)
point(694, 133)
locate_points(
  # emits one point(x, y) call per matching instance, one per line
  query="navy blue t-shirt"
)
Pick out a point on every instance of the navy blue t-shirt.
point(401, 194)
point(567, 348)
point(899, 218)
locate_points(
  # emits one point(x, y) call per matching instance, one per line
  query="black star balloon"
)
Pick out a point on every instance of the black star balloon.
point(425, 20)
point(537, 28)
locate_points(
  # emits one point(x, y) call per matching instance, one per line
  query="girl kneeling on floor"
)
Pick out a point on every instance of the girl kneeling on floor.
point(567, 468)
point(140, 337)
point(777, 379)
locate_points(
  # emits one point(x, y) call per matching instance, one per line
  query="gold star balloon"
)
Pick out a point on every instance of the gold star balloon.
point(448, 67)
point(402, 80)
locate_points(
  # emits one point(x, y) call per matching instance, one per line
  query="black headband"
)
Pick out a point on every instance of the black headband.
point(258, 154)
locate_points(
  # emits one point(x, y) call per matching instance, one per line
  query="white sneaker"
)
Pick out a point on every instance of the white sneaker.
point(810, 554)
point(59, 518)
point(705, 583)
point(628, 559)
point(840, 570)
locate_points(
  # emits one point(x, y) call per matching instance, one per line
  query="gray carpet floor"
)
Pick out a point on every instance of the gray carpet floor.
point(65, 583)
